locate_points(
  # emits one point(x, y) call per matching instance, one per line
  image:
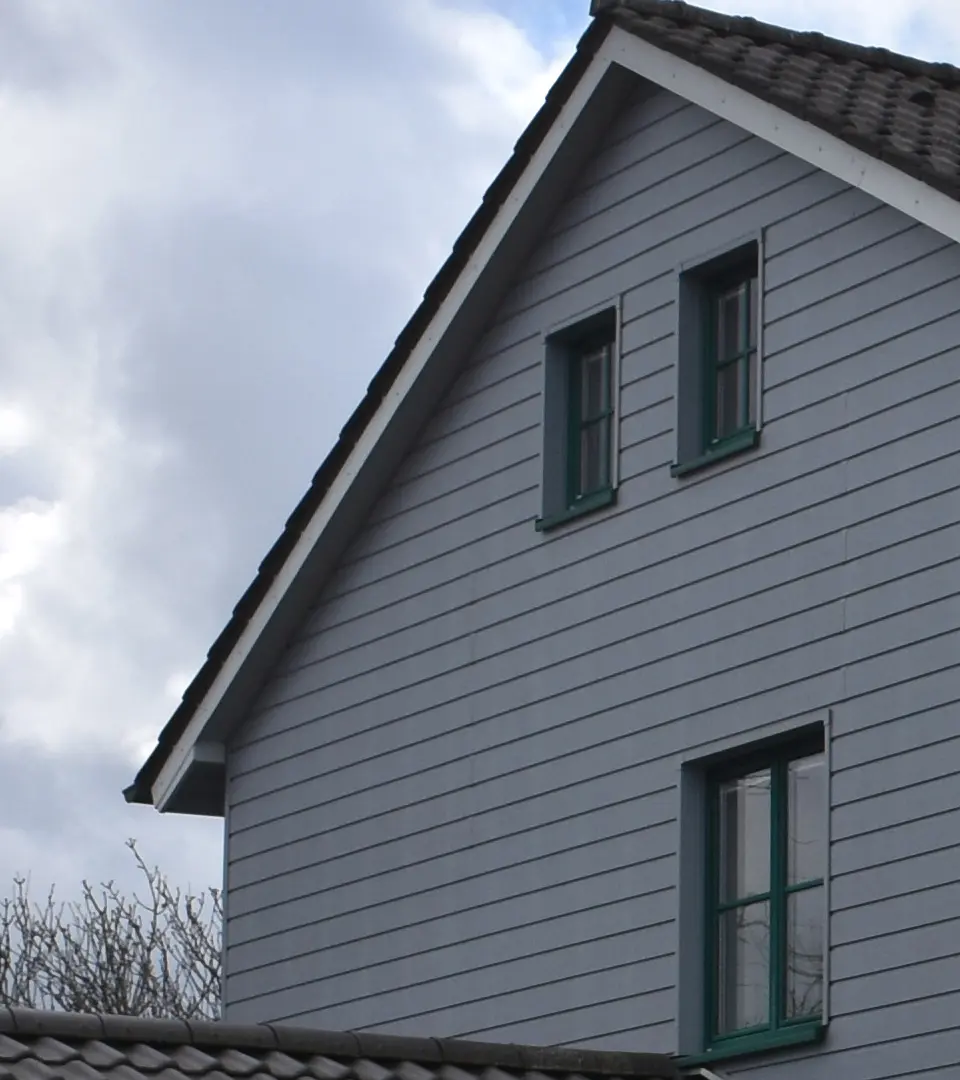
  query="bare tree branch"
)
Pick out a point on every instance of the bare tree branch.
point(107, 952)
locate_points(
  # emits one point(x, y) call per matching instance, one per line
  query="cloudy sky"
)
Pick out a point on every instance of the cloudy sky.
point(215, 216)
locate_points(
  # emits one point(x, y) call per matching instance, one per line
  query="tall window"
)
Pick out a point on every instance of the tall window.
point(731, 357)
point(579, 419)
point(719, 360)
point(767, 855)
point(590, 417)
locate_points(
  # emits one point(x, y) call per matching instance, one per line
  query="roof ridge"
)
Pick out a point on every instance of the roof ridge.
point(291, 1039)
point(813, 40)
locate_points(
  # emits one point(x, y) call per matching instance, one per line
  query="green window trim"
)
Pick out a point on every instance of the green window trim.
point(586, 505)
point(736, 444)
point(581, 373)
point(719, 356)
point(800, 1034)
point(780, 1029)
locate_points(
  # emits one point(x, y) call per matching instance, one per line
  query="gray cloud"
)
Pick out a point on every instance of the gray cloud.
point(61, 826)
point(212, 225)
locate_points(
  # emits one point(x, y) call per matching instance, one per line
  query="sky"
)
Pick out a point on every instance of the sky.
point(214, 220)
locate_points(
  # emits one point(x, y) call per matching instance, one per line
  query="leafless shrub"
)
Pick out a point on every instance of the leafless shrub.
point(111, 953)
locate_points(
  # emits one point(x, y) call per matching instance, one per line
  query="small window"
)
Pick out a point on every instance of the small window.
point(719, 359)
point(766, 854)
point(579, 422)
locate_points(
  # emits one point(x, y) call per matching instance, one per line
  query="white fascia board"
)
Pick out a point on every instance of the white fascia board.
point(798, 137)
point(180, 757)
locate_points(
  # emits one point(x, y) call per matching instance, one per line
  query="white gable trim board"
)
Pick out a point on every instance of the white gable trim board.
point(619, 49)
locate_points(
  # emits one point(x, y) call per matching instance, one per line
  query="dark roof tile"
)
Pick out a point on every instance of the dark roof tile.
point(80, 1070)
point(283, 1067)
point(125, 1071)
point(325, 1068)
point(100, 1055)
point(237, 1063)
point(148, 1059)
point(29, 1068)
point(410, 1070)
point(11, 1049)
point(192, 1061)
point(453, 1072)
point(52, 1051)
point(364, 1069)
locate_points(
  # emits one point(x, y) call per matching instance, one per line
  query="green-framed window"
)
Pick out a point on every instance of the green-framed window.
point(719, 357)
point(765, 897)
point(730, 355)
point(589, 419)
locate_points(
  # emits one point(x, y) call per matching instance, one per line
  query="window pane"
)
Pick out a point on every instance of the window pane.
point(728, 400)
point(804, 953)
point(730, 315)
point(806, 780)
point(745, 836)
point(743, 984)
point(754, 311)
point(752, 390)
point(594, 457)
point(594, 389)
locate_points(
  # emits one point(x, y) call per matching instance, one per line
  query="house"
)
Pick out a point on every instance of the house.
point(602, 689)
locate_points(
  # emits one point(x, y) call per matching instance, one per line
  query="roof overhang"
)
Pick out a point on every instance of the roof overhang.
point(186, 775)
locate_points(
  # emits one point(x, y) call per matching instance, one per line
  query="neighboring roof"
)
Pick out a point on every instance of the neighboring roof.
point(902, 111)
point(38, 1045)
point(899, 109)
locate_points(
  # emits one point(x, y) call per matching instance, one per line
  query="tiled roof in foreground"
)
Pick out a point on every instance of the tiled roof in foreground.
point(39, 1045)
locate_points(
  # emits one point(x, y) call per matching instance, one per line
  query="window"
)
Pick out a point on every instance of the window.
point(579, 428)
point(765, 907)
point(719, 359)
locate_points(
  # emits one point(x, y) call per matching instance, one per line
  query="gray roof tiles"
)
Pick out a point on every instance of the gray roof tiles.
point(898, 108)
point(38, 1045)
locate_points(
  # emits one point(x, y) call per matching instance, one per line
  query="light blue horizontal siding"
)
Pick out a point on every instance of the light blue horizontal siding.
point(453, 808)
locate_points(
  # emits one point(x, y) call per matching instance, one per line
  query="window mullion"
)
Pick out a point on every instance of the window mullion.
point(802, 886)
point(744, 901)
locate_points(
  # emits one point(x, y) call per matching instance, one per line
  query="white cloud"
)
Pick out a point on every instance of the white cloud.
point(16, 428)
point(499, 78)
point(28, 530)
